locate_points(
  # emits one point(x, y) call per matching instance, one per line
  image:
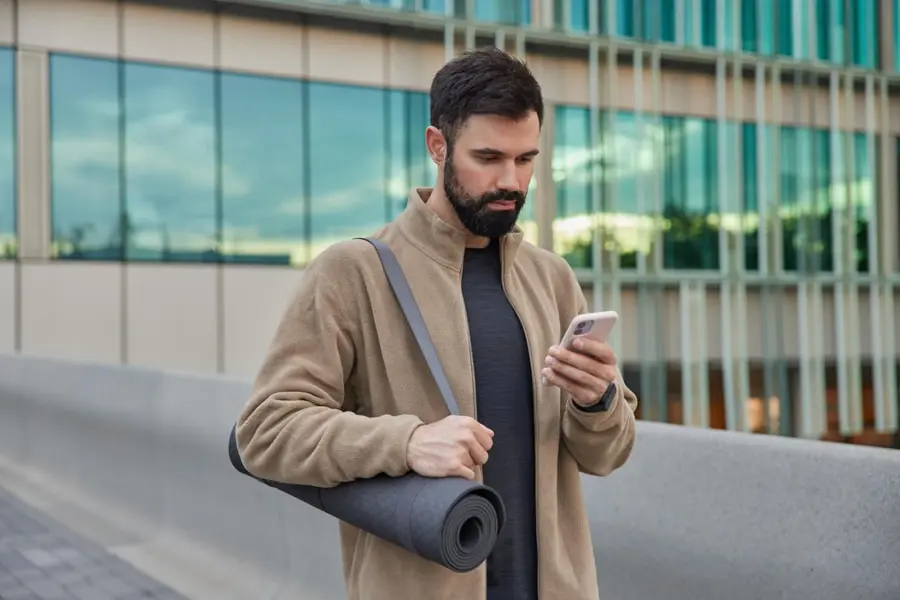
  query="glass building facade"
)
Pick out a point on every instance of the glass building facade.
point(759, 218)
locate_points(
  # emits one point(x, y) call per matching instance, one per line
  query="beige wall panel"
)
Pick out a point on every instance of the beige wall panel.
point(260, 46)
point(168, 35)
point(7, 306)
point(688, 94)
point(83, 26)
point(72, 310)
point(754, 333)
point(172, 317)
point(6, 22)
point(346, 57)
point(413, 64)
point(563, 80)
point(713, 323)
point(250, 317)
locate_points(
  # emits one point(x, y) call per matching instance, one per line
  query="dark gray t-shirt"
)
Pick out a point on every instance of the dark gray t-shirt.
point(503, 388)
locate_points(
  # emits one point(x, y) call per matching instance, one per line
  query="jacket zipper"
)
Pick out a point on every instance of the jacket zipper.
point(535, 415)
point(469, 345)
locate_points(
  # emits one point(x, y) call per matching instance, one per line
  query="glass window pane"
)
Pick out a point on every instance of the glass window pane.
point(170, 164)
point(821, 212)
point(625, 18)
point(784, 17)
point(765, 25)
point(85, 157)
point(750, 199)
point(347, 162)
point(631, 168)
point(410, 164)
point(790, 201)
point(863, 193)
point(749, 28)
point(263, 207)
point(708, 23)
point(864, 33)
point(573, 174)
point(690, 194)
point(7, 154)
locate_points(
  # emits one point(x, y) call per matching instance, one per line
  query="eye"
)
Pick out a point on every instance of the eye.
point(525, 160)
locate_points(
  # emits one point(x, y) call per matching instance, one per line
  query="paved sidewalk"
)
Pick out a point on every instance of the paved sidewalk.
point(42, 560)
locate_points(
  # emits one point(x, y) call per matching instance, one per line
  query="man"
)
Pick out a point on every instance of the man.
point(344, 392)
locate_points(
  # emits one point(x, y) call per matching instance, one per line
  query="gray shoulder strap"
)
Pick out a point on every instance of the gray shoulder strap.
point(414, 318)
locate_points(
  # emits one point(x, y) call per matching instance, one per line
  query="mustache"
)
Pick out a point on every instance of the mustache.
point(504, 195)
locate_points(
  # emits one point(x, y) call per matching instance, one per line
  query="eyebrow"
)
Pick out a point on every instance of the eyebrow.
point(495, 152)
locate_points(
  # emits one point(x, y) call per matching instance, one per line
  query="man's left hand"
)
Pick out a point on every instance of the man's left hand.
point(584, 371)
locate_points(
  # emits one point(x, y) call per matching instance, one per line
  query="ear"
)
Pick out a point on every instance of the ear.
point(436, 144)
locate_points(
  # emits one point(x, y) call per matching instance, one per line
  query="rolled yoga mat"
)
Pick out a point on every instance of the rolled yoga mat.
point(451, 521)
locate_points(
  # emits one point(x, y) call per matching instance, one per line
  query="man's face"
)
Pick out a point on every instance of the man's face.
point(488, 171)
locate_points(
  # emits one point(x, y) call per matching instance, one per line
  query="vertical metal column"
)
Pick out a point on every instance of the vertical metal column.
point(33, 151)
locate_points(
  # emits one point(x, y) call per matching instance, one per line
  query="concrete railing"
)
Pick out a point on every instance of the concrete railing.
point(137, 459)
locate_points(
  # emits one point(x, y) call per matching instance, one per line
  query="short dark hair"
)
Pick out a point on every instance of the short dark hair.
point(486, 81)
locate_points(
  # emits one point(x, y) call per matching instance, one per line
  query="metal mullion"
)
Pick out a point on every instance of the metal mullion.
point(638, 69)
point(688, 332)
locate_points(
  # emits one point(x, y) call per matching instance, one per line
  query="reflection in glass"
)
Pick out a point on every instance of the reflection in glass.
point(631, 166)
point(574, 168)
point(85, 158)
point(7, 155)
point(170, 164)
point(808, 197)
point(750, 199)
point(410, 164)
point(347, 163)
point(263, 208)
point(690, 194)
point(863, 198)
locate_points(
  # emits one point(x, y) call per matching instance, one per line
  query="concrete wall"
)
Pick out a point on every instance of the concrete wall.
point(137, 460)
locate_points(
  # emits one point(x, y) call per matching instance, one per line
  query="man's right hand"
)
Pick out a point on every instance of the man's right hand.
point(453, 446)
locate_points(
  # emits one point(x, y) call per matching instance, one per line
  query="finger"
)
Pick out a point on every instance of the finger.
point(599, 350)
point(464, 471)
point(484, 436)
point(580, 393)
point(575, 359)
point(580, 376)
point(477, 453)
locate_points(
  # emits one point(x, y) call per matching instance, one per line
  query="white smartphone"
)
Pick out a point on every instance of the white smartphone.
point(596, 326)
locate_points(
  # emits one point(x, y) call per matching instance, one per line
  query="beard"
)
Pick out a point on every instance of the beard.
point(474, 213)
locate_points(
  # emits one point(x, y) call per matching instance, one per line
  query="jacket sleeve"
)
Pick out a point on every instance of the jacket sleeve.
point(600, 442)
point(298, 425)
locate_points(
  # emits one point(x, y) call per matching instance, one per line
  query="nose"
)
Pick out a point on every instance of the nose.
point(508, 181)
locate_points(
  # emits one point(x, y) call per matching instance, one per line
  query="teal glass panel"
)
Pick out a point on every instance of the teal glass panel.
point(508, 12)
point(347, 162)
point(170, 164)
point(85, 158)
point(262, 158)
point(8, 241)
point(864, 33)
point(409, 163)
point(632, 170)
point(784, 27)
point(766, 27)
point(863, 197)
point(821, 214)
point(708, 20)
point(690, 194)
point(626, 18)
point(657, 19)
point(831, 30)
point(750, 193)
point(749, 27)
point(574, 175)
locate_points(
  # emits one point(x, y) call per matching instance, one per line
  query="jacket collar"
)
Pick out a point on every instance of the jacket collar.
point(443, 242)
